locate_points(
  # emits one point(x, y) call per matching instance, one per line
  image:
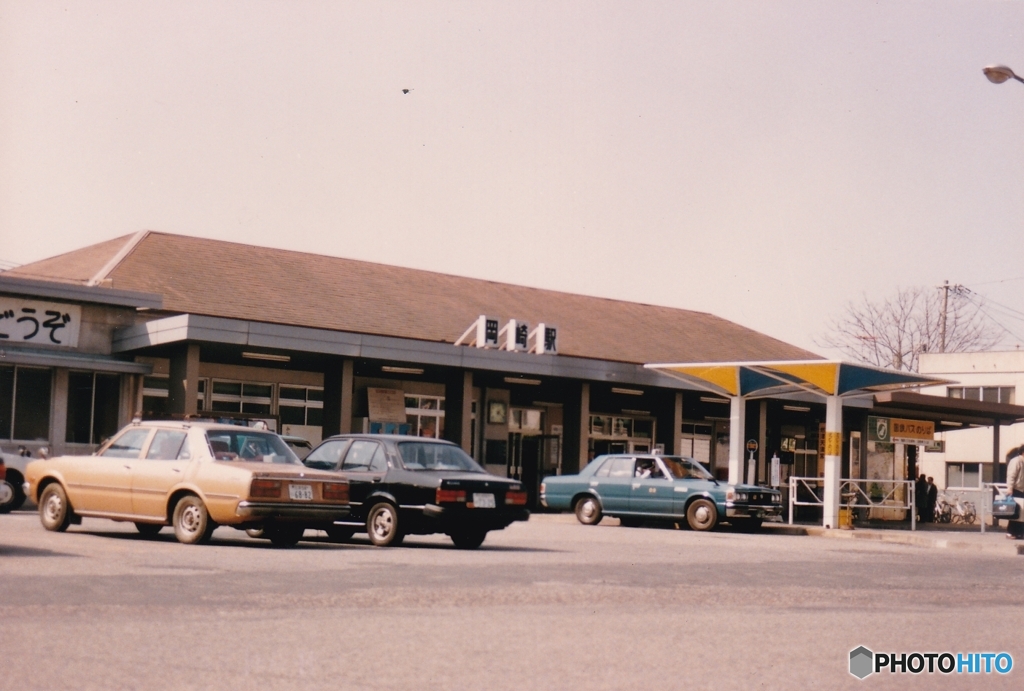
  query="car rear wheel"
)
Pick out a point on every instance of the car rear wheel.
point(747, 525)
point(468, 539)
point(192, 522)
point(382, 525)
point(339, 533)
point(54, 509)
point(148, 529)
point(588, 511)
point(702, 515)
point(15, 497)
point(284, 535)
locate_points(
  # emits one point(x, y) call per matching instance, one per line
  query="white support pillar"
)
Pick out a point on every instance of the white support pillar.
point(833, 460)
point(737, 415)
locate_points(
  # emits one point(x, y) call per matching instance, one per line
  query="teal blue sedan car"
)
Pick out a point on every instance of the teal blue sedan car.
point(672, 488)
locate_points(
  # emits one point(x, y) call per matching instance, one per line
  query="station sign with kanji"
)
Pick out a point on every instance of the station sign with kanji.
point(899, 431)
point(39, 323)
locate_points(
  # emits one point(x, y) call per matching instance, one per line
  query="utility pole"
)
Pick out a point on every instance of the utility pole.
point(945, 307)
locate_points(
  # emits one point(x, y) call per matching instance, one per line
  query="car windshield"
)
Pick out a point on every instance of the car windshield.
point(249, 445)
point(685, 468)
point(417, 455)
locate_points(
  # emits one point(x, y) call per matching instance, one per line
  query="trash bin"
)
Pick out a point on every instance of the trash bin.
point(846, 519)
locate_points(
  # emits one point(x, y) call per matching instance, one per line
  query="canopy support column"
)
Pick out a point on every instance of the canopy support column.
point(833, 460)
point(737, 415)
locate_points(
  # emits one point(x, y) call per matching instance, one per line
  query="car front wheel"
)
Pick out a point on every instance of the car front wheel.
point(284, 535)
point(54, 509)
point(702, 515)
point(192, 522)
point(588, 511)
point(468, 539)
point(148, 529)
point(382, 525)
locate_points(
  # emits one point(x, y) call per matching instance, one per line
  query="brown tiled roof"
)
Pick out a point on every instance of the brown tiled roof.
point(75, 267)
point(238, 281)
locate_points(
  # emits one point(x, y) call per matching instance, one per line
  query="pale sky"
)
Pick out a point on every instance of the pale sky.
point(763, 161)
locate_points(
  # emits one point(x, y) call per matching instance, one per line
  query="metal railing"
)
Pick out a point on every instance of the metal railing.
point(889, 495)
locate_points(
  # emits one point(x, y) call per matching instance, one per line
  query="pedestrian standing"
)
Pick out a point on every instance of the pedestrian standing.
point(1015, 487)
point(932, 493)
point(921, 497)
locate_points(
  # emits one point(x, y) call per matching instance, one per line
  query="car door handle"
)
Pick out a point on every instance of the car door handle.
point(636, 485)
point(377, 479)
point(175, 470)
point(128, 467)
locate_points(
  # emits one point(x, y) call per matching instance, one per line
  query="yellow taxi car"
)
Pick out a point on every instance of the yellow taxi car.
point(193, 476)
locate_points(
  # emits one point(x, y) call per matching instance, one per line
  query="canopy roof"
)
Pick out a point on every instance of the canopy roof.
point(773, 378)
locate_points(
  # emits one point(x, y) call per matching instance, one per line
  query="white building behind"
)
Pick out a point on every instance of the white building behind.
point(994, 377)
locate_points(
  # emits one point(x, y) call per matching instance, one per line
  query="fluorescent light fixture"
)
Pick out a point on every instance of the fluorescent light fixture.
point(546, 403)
point(714, 399)
point(267, 356)
point(630, 411)
point(401, 370)
point(715, 417)
point(627, 392)
point(519, 380)
point(797, 408)
point(949, 423)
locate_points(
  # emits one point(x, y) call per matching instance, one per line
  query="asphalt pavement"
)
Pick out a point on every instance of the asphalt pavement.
point(549, 604)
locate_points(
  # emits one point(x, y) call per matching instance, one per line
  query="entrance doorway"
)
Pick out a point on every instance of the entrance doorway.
point(531, 458)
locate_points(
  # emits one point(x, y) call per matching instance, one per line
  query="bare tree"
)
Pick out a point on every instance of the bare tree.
point(894, 332)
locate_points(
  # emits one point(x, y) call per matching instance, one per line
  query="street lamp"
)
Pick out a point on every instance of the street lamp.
point(997, 74)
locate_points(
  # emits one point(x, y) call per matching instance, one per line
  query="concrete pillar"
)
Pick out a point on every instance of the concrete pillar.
point(576, 428)
point(998, 467)
point(737, 418)
point(762, 442)
point(338, 392)
point(58, 411)
point(183, 389)
point(677, 425)
point(833, 460)
point(458, 408)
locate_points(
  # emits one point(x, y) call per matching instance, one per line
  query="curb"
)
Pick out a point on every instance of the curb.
point(902, 538)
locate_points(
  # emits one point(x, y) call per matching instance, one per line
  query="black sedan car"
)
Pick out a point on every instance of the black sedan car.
point(402, 485)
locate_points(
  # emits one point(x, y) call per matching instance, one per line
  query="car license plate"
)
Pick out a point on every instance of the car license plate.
point(301, 492)
point(483, 501)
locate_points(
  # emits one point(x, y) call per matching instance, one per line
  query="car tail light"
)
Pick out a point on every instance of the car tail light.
point(516, 498)
point(336, 491)
point(265, 488)
point(448, 496)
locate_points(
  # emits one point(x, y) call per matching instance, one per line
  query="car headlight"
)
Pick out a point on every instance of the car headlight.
point(776, 498)
point(741, 496)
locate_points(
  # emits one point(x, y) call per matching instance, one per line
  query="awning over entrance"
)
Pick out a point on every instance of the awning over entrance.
point(830, 379)
point(947, 413)
point(821, 377)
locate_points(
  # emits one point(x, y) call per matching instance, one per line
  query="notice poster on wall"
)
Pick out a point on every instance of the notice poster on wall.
point(386, 405)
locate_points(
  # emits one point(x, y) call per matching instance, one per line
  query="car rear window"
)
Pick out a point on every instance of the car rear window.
point(431, 456)
point(249, 445)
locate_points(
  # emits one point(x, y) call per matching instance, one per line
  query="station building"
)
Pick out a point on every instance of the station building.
point(530, 382)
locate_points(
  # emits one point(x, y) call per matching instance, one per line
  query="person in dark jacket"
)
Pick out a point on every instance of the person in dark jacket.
point(921, 498)
point(933, 498)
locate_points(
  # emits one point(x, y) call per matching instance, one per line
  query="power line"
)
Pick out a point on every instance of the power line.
point(1003, 280)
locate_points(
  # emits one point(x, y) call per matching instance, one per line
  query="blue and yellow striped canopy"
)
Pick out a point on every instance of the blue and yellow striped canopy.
point(822, 377)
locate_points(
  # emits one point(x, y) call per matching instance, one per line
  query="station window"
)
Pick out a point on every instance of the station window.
point(425, 415)
point(696, 442)
point(155, 393)
point(25, 403)
point(968, 474)
point(989, 394)
point(301, 405)
point(93, 403)
point(241, 397)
